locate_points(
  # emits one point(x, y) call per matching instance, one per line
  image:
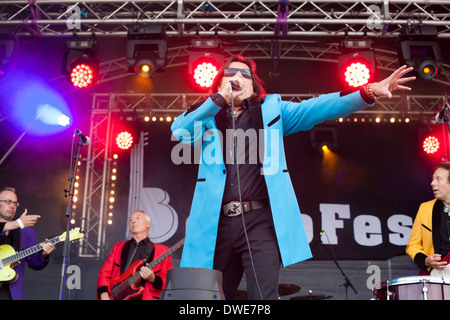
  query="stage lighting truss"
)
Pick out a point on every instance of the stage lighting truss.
point(418, 48)
point(146, 50)
point(80, 64)
point(205, 59)
point(312, 18)
point(356, 64)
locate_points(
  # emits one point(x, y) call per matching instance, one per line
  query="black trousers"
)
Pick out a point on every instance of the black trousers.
point(233, 259)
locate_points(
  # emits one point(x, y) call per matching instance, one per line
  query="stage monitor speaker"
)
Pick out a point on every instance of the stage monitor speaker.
point(193, 284)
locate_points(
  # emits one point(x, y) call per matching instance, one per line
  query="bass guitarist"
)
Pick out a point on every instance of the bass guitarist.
point(124, 255)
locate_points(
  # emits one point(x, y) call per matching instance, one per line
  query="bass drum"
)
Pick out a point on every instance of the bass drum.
point(413, 288)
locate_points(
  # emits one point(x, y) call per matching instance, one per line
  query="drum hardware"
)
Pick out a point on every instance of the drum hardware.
point(413, 288)
point(311, 296)
point(284, 289)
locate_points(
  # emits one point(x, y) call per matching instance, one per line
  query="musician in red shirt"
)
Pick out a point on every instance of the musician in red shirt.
point(122, 260)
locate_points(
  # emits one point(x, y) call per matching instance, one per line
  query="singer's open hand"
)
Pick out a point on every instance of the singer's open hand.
point(395, 81)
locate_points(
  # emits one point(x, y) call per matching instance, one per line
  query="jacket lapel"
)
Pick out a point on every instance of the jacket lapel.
point(436, 223)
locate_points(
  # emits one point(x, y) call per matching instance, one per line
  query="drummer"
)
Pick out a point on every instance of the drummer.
point(429, 242)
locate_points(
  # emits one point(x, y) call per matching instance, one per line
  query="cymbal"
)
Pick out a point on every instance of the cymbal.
point(285, 289)
point(311, 297)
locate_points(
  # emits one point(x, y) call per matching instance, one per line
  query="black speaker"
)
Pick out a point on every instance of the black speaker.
point(193, 284)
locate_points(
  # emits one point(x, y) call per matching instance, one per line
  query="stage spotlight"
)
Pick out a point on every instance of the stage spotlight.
point(205, 59)
point(356, 64)
point(324, 140)
point(52, 116)
point(431, 145)
point(146, 50)
point(80, 63)
point(418, 48)
point(83, 72)
point(124, 140)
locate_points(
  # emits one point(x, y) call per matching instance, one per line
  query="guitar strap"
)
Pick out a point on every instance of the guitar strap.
point(148, 251)
point(15, 236)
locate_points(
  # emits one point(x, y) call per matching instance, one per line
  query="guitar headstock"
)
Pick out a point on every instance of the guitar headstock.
point(74, 234)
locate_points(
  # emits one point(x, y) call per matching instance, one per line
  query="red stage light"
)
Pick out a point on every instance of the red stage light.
point(357, 74)
point(204, 73)
point(431, 145)
point(83, 75)
point(124, 140)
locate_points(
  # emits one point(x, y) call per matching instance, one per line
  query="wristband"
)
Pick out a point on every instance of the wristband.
point(20, 223)
point(371, 92)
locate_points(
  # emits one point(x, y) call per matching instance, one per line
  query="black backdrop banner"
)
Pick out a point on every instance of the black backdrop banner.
point(359, 200)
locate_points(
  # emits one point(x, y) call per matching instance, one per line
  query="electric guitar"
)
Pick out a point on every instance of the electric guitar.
point(9, 258)
point(125, 287)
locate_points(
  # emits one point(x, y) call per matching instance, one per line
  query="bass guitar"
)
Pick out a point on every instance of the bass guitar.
point(125, 287)
point(9, 258)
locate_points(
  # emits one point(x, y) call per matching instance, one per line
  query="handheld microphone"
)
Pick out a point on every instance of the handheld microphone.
point(442, 115)
point(84, 139)
point(235, 85)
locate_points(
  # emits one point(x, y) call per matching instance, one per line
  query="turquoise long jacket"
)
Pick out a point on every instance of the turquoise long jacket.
point(277, 118)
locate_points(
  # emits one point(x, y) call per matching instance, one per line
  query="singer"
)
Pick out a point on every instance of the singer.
point(244, 219)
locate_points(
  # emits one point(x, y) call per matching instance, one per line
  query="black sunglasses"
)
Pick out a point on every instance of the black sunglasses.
point(246, 73)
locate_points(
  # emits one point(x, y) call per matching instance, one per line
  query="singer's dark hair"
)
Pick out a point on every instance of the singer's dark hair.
point(259, 93)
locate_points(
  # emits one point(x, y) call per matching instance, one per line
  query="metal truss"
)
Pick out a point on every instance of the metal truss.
point(375, 18)
point(97, 174)
point(416, 107)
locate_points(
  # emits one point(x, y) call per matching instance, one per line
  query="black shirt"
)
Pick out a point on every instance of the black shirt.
point(244, 151)
point(444, 238)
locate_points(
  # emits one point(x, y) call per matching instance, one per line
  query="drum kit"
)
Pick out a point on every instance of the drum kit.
point(413, 288)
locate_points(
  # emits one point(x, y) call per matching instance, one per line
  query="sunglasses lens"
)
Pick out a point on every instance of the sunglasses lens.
point(232, 71)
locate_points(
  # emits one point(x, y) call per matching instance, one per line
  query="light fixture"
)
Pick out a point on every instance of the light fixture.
point(323, 139)
point(205, 59)
point(356, 64)
point(431, 145)
point(80, 63)
point(124, 140)
point(146, 49)
point(418, 48)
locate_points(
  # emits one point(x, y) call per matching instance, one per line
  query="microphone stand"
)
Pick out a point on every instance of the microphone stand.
point(347, 282)
point(68, 214)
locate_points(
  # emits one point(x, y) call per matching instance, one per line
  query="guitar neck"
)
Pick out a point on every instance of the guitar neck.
point(27, 252)
point(158, 260)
